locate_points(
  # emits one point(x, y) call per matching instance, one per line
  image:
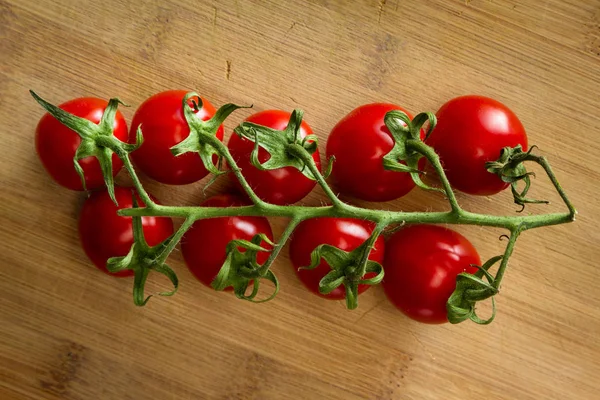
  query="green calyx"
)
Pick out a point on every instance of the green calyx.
point(404, 156)
point(286, 148)
point(203, 134)
point(142, 259)
point(241, 269)
point(97, 140)
point(471, 288)
point(511, 169)
point(347, 269)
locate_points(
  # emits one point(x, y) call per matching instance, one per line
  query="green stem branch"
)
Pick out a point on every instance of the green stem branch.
point(308, 160)
point(224, 151)
point(172, 243)
point(280, 243)
point(369, 246)
point(544, 163)
point(514, 234)
point(148, 202)
point(383, 218)
point(434, 160)
point(347, 211)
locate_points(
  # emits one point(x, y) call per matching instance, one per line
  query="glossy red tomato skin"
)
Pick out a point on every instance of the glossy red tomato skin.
point(105, 234)
point(56, 144)
point(163, 126)
point(204, 245)
point(344, 233)
point(471, 131)
point(421, 265)
point(359, 141)
point(281, 186)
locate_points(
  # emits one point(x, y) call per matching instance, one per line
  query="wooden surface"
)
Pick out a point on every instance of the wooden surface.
point(68, 331)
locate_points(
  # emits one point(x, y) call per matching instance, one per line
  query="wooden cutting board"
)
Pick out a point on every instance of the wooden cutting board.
point(68, 331)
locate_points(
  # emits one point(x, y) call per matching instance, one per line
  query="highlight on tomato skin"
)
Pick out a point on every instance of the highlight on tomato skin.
point(472, 130)
point(344, 233)
point(359, 141)
point(104, 234)
point(280, 186)
point(421, 265)
point(204, 245)
point(56, 144)
point(163, 126)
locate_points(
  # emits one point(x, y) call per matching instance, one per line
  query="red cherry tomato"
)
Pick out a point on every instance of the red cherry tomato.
point(472, 130)
point(104, 234)
point(359, 141)
point(204, 245)
point(56, 144)
point(421, 265)
point(344, 233)
point(164, 126)
point(279, 186)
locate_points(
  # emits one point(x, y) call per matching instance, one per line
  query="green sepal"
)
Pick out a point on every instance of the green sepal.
point(139, 282)
point(214, 177)
point(403, 158)
point(241, 269)
point(471, 288)
point(97, 140)
point(420, 120)
point(511, 169)
point(377, 269)
point(139, 140)
point(142, 259)
point(279, 144)
point(329, 167)
point(203, 133)
point(346, 270)
point(117, 264)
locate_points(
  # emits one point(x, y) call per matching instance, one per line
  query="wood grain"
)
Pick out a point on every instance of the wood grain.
point(70, 332)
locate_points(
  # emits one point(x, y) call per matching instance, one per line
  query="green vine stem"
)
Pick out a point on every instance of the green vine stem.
point(280, 243)
point(174, 240)
point(369, 245)
point(301, 153)
point(344, 210)
point(113, 143)
point(457, 215)
point(408, 148)
point(514, 234)
point(543, 162)
point(434, 160)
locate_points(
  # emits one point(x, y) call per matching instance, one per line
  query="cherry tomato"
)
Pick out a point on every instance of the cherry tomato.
point(421, 265)
point(344, 233)
point(164, 126)
point(204, 245)
point(279, 186)
point(56, 144)
point(104, 234)
point(472, 130)
point(359, 141)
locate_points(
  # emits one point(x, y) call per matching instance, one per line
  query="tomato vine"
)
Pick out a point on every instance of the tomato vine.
point(288, 148)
